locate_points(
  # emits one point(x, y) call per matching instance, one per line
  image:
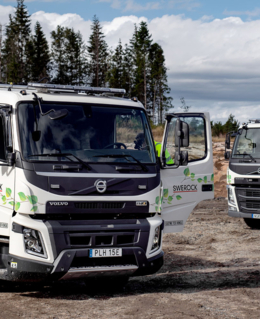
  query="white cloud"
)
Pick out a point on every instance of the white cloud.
point(133, 6)
point(253, 13)
point(4, 14)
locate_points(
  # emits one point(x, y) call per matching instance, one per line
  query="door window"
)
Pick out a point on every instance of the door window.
point(197, 148)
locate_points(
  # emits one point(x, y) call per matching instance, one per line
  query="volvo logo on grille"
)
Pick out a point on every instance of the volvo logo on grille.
point(59, 203)
point(101, 186)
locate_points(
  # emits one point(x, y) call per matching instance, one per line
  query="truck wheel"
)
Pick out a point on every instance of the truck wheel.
point(252, 223)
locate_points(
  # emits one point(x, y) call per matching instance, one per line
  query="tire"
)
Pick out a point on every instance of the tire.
point(252, 223)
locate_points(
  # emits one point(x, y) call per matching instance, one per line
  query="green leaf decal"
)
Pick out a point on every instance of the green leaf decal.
point(212, 177)
point(192, 175)
point(8, 192)
point(157, 199)
point(22, 196)
point(4, 198)
point(205, 179)
point(161, 200)
point(170, 198)
point(199, 180)
point(169, 203)
point(33, 199)
point(4, 203)
point(178, 197)
point(165, 193)
point(17, 206)
point(11, 203)
point(156, 208)
point(193, 179)
point(34, 209)
point(187, 172)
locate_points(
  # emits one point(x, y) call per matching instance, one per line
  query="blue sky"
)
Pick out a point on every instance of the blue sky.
point(109, 9)
point(212, 48)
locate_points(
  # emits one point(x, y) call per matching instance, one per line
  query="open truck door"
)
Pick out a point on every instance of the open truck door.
point(187, 142)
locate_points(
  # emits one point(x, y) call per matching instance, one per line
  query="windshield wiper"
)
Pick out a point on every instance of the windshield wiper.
point(144, 167)
point(64, 155)
point(246, 154)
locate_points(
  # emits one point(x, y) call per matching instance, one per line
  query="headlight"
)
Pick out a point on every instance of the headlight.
point(231, 197)
point(156, 239)
point(33, 242)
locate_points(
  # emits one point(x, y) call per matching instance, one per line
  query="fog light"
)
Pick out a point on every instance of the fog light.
point(231, 197)
point(156, 238)
point(33, 242)
point(232, 208)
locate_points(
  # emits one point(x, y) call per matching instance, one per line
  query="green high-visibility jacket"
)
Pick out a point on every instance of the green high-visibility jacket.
point(158, 147)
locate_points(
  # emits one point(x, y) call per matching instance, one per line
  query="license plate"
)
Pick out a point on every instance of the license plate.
point(256, 216)
point(111, 252)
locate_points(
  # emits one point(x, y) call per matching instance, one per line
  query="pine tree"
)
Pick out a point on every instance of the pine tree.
point(140, 45)
point(58, 56)
point(119, 74)
point(41, 55)
point(75, 52)
point(15, 47)
point(97, 50)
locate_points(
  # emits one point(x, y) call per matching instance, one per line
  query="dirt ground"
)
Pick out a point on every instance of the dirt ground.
point(211, 270)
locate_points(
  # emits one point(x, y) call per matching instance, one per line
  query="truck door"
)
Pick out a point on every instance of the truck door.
point(190, 179)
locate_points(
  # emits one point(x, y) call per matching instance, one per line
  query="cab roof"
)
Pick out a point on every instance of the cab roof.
point(11, 94)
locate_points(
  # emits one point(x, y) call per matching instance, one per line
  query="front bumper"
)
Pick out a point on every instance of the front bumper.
point(76, 264)
point(239, 214)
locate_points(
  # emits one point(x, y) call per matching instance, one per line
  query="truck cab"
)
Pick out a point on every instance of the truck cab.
point(83, 192)
point(243, 182)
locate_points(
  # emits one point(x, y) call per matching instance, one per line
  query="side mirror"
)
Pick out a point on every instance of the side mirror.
point(182, 134)
point(181, 159)
point(227, 143)
point(227, 155)
point(56, 115)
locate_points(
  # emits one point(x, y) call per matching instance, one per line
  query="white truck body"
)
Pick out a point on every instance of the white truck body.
point(61, 218)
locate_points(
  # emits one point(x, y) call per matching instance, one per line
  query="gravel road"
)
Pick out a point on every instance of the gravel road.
point(211, 270)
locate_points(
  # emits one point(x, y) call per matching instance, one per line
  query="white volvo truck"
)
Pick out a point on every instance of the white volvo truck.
point(243, 174)
point(82, 191)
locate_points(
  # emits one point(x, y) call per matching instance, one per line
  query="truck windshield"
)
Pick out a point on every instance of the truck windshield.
point(90, 132)
point(247, 144)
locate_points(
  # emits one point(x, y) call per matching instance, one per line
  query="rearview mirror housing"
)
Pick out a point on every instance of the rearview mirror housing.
point(182, 134)
point(182, 158)
point(227, 155)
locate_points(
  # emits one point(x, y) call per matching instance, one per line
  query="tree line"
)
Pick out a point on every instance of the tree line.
point(138, 66)
point(219, 129)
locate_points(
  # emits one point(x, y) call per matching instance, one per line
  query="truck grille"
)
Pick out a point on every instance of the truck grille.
point(252, 193)
point(102, 239)
point(248, 199)
point(100, 205)
point(251, 205)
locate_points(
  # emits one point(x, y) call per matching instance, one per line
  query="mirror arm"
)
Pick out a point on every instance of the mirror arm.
point(40, 106)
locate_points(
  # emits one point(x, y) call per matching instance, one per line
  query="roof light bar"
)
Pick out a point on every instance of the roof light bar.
point(82, 89)
point(63, 88)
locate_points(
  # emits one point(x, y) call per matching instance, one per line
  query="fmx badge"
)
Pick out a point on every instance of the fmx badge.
point(174, 223)
point(3, 225)
point(184, 188)
point(13, 265)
